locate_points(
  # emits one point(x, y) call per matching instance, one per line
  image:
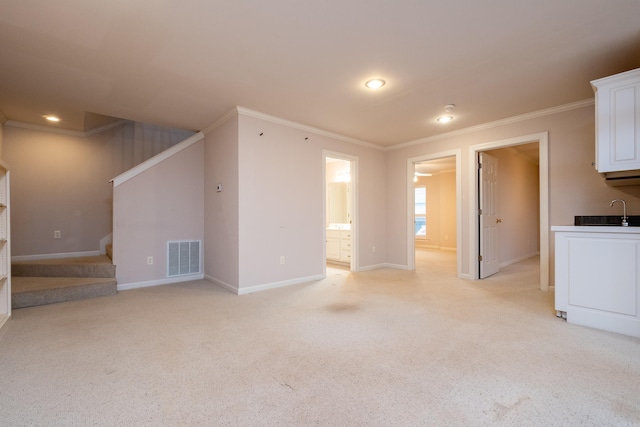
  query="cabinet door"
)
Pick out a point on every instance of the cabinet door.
point(333, 248)
point(618, 122)
point(597, 280)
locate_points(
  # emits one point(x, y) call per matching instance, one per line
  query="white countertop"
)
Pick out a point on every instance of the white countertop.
point(596, 229)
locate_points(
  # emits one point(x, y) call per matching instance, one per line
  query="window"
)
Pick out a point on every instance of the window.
point(420, 200)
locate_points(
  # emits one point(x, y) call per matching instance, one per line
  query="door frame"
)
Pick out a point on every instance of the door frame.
point(542, 139)
point(411, 241)
point(353, 170)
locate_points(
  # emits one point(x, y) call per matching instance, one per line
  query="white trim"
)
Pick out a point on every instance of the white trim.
point(54, 256)
point(411, 245)
point(148, 164)
point(106, 240)
point(273, 285)
point(502, 122)
point(137, 285)
point(305, 128)
point(222, 120)
point(543, 148)
point(497, 123)
point(67, 132)
point(384, 265)
point(222, 284)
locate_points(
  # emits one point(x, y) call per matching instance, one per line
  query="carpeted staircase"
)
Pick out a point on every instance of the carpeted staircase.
point(61, 279)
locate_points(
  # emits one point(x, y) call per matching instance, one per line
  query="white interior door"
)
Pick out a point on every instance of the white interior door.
point(488, 216)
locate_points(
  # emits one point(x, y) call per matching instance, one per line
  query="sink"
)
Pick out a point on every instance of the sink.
point(606, 220)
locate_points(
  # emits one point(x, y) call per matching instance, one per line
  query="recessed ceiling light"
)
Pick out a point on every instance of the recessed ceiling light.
point(375, 83)
point(447, 117)
point(51, 118)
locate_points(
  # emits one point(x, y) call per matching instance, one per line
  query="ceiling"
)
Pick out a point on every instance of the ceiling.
point(186, 64)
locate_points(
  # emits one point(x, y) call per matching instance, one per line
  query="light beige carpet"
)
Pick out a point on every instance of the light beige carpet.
point(385, 347)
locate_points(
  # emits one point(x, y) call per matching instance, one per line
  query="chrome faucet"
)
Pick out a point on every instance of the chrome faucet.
point(625, 223)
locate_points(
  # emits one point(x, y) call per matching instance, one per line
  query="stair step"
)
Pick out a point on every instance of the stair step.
point(93, 266)
point(33, 291)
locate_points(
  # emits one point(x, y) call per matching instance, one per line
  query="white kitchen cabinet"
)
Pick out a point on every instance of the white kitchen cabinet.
point(618, 122)
point(597, 277)
point(339, 245)
point(5, 248)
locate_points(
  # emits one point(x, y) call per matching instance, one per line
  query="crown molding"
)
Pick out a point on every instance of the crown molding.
point(66, 132)
point(277, 120)
point(497, 123)
point(222, 120)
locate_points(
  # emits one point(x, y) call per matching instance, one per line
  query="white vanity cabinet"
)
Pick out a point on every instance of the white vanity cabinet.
point(597, 277)
point(338, 245)
point(618, 122)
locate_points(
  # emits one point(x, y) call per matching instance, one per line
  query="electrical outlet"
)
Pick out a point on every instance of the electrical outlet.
point(281, 259)
point(57, 234)
point(149, 260)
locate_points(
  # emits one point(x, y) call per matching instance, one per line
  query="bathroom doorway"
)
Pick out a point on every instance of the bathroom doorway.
point(340, 210)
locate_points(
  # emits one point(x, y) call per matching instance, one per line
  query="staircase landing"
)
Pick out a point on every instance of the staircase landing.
point(61, 279)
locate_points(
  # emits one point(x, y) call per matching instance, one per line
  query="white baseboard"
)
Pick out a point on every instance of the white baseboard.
point(383, 265)
point(274, 285)
point(51, 256)
point(136, 285)
point(106, 240)
point(222, 284)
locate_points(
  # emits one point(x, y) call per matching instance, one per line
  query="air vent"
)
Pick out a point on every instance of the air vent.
point(183, 258)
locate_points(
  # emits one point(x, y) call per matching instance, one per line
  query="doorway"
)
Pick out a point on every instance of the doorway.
point(536, 144)
point(434, 225)
point(340, 210)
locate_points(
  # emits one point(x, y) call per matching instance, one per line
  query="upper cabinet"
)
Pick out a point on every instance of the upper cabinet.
point(618, 122)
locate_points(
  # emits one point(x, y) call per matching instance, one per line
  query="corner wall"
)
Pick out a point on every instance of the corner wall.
point(280, 203)
point(221, 208)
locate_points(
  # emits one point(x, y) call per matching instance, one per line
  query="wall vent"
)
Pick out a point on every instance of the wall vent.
point(183, 257)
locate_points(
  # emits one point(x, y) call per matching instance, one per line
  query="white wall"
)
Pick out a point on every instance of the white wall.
point(164, 203)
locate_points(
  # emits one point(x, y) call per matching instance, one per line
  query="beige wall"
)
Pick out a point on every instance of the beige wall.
point(441, 210)
point(281, 191)
point(271, 203)
point(164, 203)
point(61, 182)
point(575, 187)
point(518, 206)
point(221, 208)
